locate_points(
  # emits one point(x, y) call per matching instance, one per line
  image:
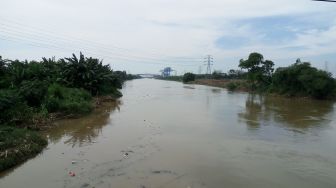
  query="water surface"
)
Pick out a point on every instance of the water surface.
point(188, 136)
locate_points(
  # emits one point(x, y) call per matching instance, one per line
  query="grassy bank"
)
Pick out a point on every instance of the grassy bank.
point(171, 78)
point(18, 145)
point(230, 84)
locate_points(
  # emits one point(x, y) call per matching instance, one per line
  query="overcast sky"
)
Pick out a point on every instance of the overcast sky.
point(145, 36)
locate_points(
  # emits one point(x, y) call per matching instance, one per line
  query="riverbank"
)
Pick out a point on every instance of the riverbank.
point(18, 144)
point(171, 78)
point(230, 84)
point(242, 85)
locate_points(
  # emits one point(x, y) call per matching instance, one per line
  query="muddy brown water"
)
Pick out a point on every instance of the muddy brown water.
point(188, 136)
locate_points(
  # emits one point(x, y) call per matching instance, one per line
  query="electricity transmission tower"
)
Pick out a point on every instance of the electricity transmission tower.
point(208, 61)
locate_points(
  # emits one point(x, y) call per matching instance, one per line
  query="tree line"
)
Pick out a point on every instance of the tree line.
point(30, 90)
point(257, 74)
point(299, 79)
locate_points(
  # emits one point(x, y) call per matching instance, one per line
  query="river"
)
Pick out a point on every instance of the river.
point(166, 134)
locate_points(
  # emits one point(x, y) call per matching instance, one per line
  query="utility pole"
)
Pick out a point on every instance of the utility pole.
point(208, 61)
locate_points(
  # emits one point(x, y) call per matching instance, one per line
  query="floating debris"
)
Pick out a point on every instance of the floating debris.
point(72, 174)
point(121, 174)
point(162, 172)
point(85, 185)
point(127, 151)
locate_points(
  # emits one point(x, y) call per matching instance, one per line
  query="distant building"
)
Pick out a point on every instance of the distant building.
point(166, 71)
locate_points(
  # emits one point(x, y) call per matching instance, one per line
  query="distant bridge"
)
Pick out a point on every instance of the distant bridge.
point(148, 75)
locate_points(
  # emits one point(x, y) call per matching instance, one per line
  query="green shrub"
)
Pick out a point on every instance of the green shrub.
point(76, 107)
point(300, 79)
point(8, 98)
point(217, 75)
point(52, 104)
point(68, 100)
point(5, 81)
point(188, 77)
point(171, 78)
point(106, 89)
point(232, 86)
point(90, 74)
point(12, 108)
point(33, 91)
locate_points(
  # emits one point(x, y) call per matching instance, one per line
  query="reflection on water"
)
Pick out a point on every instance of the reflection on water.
point(83, 130)
point(188, 87)
point(178, 135)
point(216, 90)
point(253, 111)
point(293, 113)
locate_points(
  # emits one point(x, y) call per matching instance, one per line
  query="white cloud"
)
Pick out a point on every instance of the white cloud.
point(170, 27)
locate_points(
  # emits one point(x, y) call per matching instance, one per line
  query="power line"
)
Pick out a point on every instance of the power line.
point(45, 46)
point(18, 26)
point(50, 41)
point(42, 42)
point(69, 43)
point(45, 43)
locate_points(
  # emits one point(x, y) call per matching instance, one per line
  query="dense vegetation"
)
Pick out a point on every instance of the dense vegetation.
point(231, 74)
point(30, 92)
point(67, 85)
point(299, 79)
point(188, 77)
point(258, 74)
point(216, 75)
point(171, 78)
